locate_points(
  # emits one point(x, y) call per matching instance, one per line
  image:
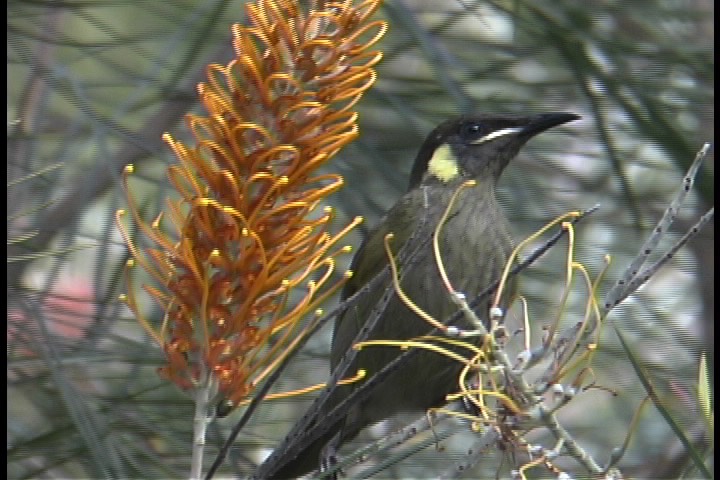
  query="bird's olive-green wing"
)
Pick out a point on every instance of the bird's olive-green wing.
point(370, 259)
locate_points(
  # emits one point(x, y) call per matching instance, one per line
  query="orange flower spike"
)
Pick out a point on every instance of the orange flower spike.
point(206, 167)
point(353, 46)
point(185, 170)
point(310, 266)
point(275, 185)
point(243, 241)
point(255, 139)
point(177, 218)
point(162, 298)
point(293, 242)
point(312, 286)
point(213, 94)
point(147, 230)
point(257, 15)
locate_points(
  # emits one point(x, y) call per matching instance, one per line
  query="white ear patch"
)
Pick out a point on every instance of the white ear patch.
point(443, 164)
point(497, 134)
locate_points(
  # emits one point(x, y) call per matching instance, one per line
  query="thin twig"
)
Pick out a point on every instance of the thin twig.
point(622, 288)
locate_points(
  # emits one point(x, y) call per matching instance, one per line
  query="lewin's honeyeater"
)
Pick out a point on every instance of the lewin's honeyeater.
point(475, 245)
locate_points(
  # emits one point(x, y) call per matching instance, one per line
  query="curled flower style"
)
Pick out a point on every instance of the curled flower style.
point(250, 255)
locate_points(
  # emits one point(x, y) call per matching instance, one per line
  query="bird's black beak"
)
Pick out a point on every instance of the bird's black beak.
point(542, 122)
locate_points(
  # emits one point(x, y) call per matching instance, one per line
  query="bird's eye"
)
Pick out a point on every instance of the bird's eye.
point(471, 130)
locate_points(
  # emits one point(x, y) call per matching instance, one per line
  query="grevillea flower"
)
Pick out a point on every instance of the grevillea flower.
point(250, 256)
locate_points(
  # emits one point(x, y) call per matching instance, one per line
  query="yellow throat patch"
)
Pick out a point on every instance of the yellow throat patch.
point(443, 164)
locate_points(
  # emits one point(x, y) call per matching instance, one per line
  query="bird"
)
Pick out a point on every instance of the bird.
point(475, 245)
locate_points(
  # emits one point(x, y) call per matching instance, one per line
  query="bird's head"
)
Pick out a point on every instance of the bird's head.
point(477, 146)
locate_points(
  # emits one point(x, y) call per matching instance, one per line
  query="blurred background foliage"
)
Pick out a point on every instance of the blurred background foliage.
point(92, 85)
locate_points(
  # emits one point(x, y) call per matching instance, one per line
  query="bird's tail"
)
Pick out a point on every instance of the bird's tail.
point(307, 460)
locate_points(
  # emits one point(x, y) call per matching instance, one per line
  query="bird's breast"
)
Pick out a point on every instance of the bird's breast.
point(473, 246)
